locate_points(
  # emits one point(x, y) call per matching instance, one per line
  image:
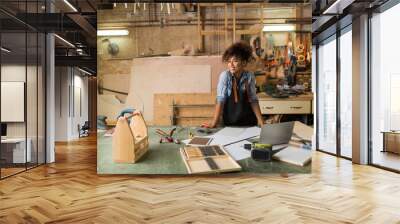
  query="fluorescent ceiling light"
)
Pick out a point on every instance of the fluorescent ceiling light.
point(279, 28)
point(70, 5)
point(84, 71)
point(112, 32)
point(65, 41)
point(5, 50)
point(338, 6)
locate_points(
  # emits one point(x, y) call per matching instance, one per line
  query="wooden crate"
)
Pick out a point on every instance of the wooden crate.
point(130, 141)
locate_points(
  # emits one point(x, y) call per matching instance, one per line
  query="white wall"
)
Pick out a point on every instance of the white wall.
point(79, 117)
point(16, 73)
point(61, 103)
point(70, 83)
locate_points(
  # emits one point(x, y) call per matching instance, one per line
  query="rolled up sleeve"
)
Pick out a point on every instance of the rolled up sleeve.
point(252, 89)
point(222, 87)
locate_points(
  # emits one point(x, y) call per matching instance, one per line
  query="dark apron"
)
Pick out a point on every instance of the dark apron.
point(239, 113)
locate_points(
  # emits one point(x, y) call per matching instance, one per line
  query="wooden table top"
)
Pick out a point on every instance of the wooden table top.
point(306, 96)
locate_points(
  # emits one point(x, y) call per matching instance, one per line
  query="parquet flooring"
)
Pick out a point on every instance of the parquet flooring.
point(70, 191)
point(10, 171)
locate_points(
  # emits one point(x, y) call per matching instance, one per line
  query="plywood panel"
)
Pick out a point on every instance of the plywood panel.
point(118, 82)
point(142, 88)
point(109, 106)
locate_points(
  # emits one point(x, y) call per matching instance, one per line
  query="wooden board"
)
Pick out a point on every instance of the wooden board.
point(200, 141)
point(196, 163)
point(109, 105)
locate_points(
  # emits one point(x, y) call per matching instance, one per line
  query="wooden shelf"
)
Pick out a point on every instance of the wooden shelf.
point(176, 107)
point(202, 32)
point(187, 117)
point(192, 105)
point(212, 32)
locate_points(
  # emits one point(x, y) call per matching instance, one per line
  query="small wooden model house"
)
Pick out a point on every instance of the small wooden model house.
point(130, 141)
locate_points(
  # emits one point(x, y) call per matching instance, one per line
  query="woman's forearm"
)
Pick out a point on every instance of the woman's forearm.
point(217, 114)
point(256, 109)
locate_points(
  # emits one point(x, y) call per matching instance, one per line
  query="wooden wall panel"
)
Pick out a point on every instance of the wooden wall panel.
point(170, 75)
point(163, 109)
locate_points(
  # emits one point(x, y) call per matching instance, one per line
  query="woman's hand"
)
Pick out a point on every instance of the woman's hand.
point(260, 123)
point(207, 125)
point(136, 112)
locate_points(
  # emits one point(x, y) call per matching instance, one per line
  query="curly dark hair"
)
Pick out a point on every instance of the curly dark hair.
point(241, 50)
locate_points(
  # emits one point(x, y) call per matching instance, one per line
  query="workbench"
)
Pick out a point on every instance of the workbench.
point(165, 158)
point(297, 105)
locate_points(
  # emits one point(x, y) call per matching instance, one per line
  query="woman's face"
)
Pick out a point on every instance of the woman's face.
point(235, 65)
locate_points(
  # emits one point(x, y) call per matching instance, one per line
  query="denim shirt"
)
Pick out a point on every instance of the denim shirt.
point(224, 88)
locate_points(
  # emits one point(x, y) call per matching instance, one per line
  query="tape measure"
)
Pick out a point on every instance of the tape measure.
point(262, 146)
point(257, 146)
point(260, 152)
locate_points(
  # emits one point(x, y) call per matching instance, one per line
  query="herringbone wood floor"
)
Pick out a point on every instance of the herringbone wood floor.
point(70, 191)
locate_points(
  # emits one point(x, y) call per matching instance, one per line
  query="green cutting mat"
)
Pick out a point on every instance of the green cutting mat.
point(165, 158)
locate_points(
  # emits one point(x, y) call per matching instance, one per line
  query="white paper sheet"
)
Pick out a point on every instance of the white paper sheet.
point(186, 141)
point(231, 132)
point(229, 135)
point(237, 151)
point(294, 155)
point(279, 147)
point(250, 132)
point(224, 140)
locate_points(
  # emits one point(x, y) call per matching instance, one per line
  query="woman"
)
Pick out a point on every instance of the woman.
point(236, 90)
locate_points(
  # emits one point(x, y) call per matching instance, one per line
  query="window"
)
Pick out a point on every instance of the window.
point(327, 96)
point(346, 93)
point(22, 89)
point(385, 85)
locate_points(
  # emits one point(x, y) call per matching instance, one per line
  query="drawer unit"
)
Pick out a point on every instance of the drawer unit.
point(391, 142)
point(285, 106)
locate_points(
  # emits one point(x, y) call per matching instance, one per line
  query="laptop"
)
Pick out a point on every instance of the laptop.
point(278, 135)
